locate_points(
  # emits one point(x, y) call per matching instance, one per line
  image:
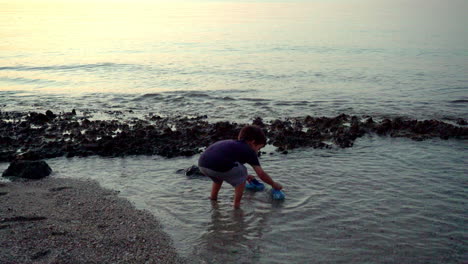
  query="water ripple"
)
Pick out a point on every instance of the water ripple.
point(61, 67)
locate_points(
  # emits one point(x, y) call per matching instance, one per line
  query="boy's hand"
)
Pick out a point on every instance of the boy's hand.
point(277, 186)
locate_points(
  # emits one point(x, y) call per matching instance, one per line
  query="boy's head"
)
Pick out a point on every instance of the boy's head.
point(249, 133)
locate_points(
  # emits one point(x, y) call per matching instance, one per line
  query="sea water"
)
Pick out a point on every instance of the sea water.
point(385, 200)
point(237, 59)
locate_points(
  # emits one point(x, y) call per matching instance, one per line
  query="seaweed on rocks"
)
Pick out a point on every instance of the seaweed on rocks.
point(35, 136)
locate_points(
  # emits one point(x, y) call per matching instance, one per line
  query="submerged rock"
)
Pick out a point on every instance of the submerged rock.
point(193, 171)
point(28, 169)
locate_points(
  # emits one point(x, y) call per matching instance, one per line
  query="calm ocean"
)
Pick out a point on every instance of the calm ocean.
point(385, 200)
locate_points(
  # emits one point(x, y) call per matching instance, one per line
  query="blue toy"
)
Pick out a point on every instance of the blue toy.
point(255, 185)
point(277, 194)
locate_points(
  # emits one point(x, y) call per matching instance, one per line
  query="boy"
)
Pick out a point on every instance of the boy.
point(223, 161)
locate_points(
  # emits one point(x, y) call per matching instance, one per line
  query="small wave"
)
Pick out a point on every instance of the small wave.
point(256, 99)
point(197, 94)
point(59, 67)
point(462, 101)
point(18, 93)
point(288, 103)
point(27, 80)
point(177, 96)
point(452, 90)
point(149, 95)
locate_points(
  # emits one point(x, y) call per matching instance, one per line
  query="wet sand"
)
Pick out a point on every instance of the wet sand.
point(71, 221)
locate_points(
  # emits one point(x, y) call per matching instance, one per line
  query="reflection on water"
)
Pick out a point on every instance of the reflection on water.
point(384, 200)
point(227, 236)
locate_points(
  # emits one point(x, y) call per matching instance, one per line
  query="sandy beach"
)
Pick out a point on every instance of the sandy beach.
point(71, 221)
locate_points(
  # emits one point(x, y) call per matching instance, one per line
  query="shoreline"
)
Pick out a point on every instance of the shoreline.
point(57, 220)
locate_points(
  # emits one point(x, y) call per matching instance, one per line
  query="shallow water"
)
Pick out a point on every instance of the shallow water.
point(385, 200)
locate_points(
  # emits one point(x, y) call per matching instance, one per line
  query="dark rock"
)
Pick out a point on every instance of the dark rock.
point(461, 122)
point(38, 118)
point(370, 121)
point(50, 114)
point(193, 171)
point(384, 127)
point(6, 140)
point(28, 169)
point(278, 125)
point(30, 155)
point(344, 141)
point(7, 155)
point(258, 121)
point(155, 118)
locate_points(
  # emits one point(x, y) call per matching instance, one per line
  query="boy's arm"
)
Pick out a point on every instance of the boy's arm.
point(266, 178)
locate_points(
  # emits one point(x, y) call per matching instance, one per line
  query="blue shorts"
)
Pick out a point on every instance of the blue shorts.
point(235, 176)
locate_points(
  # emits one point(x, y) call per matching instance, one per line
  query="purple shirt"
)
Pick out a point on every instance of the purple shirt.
point(223, 155)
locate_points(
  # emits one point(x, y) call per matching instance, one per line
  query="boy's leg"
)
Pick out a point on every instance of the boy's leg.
point(238, 192)
point(214, 190)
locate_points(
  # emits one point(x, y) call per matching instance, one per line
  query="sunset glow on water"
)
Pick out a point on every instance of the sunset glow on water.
point(385, 200)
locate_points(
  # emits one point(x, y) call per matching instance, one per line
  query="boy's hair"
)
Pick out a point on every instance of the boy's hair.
point(252, 133)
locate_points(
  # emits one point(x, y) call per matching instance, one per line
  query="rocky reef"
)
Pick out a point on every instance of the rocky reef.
point(34, 136)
